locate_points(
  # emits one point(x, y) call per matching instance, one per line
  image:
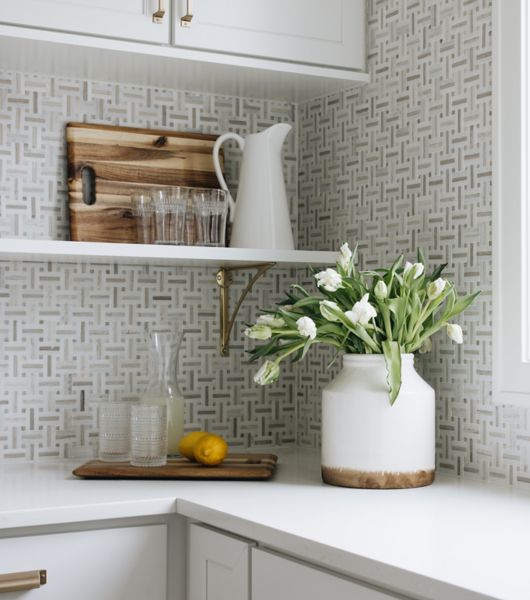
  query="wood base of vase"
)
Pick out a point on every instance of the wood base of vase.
point(384, 480)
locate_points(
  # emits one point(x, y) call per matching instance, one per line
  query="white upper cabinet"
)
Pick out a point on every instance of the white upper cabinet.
point(330, 33)
point(125, 19)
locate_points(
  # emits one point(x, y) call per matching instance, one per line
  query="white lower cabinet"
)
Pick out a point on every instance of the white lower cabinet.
point(223, 567)
point(218, 565)
point(277, 578)
point(102, 564)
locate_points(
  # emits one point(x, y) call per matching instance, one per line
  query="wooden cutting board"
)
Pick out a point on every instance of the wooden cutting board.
point(107, 163)
point(235, 466)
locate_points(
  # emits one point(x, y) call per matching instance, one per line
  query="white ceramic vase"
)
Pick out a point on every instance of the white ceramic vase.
point(366, 442)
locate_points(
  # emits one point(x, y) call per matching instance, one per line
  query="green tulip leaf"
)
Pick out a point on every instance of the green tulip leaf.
point(392, 353)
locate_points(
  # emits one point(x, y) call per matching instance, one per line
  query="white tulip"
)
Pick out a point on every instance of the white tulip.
point(454, 331)
point(269, 372)
point(381, 290)
point(259, 332)
point(426, 346)
point(306, 327)
point(271, 321)
point(345, 255)
point(435, 288)
point(329, 309)
point(416, 269)
point(329, 279)
point(361, 312)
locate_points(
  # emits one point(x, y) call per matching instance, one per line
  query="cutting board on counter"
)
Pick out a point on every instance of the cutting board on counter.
point(235, 466)
point(106, 164)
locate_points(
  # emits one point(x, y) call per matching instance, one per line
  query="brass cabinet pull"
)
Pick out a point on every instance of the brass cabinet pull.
point(185, 21)
point(25, 580)
point(158, 16)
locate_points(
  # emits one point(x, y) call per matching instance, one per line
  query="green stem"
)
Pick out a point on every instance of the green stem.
point(427, 334)
point(290, 351)
point(420, 320)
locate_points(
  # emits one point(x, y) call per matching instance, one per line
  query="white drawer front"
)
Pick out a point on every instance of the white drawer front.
point(278, 578)
point(107, 564)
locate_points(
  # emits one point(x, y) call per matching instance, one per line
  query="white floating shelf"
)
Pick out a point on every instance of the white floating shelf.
point(121, 61)
point(144, 254)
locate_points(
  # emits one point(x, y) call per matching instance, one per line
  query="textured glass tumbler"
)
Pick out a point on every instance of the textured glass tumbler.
point(114, 431)
point(210, 209)
point(148, 435)
point(145, 217)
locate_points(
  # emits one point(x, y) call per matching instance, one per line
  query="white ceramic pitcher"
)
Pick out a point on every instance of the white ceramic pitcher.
point(260, 216)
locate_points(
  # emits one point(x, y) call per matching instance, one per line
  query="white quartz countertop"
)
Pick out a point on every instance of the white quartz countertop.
point(452, 540)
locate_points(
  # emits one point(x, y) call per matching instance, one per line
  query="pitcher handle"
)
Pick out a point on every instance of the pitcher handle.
point(217, 146)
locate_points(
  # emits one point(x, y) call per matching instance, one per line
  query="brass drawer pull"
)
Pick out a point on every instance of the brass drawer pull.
point(25, 580)
point(185, 21)
point(158, 16)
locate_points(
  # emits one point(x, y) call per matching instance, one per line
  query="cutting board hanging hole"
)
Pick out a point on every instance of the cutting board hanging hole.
point(88, 184)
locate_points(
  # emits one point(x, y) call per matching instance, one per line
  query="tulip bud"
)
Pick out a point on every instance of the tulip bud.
point(455, 333)
point(361, 312)
point(416, 269)
point(329, 279)
point(329, 309)
point(259, 332)
point(271, 321)
point(381, 290)
point(269, 372)
point(344, 257)
point(306, 327)
point(435, 288)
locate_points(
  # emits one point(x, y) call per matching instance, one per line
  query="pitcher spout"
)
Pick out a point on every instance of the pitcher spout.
point(277, 134)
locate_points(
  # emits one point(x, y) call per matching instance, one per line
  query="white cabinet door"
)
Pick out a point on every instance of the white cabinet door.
point(323, 32)
point(278, 578)
point(218, 566)
point(107, 564)
point(126, 19)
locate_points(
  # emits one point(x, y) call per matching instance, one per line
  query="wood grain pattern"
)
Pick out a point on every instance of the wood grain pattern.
point(234, 467)
point(126, 159)
point(383, 480)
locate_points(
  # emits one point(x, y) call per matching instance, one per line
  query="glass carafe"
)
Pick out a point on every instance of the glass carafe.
point(163, 387)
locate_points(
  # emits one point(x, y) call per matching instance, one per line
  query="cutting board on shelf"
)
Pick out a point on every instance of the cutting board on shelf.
point(106, 164)
point(235, 466)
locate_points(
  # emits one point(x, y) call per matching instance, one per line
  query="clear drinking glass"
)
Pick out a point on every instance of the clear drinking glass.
point(210, 209)
point(148, 435)
point(178, 208)
point(163, 219)
point(114, 431)
point(143, 212)
point(190, 233)
point(170, 215)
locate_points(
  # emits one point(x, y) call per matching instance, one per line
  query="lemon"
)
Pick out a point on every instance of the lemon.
point(210, 449)
point(187, 443)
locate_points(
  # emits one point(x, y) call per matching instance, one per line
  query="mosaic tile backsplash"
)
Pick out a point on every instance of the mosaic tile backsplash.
point(405, 162)
point(402, 162)
point(70, 332)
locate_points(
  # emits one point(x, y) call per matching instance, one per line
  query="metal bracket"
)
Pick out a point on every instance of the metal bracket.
point(224, 280)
